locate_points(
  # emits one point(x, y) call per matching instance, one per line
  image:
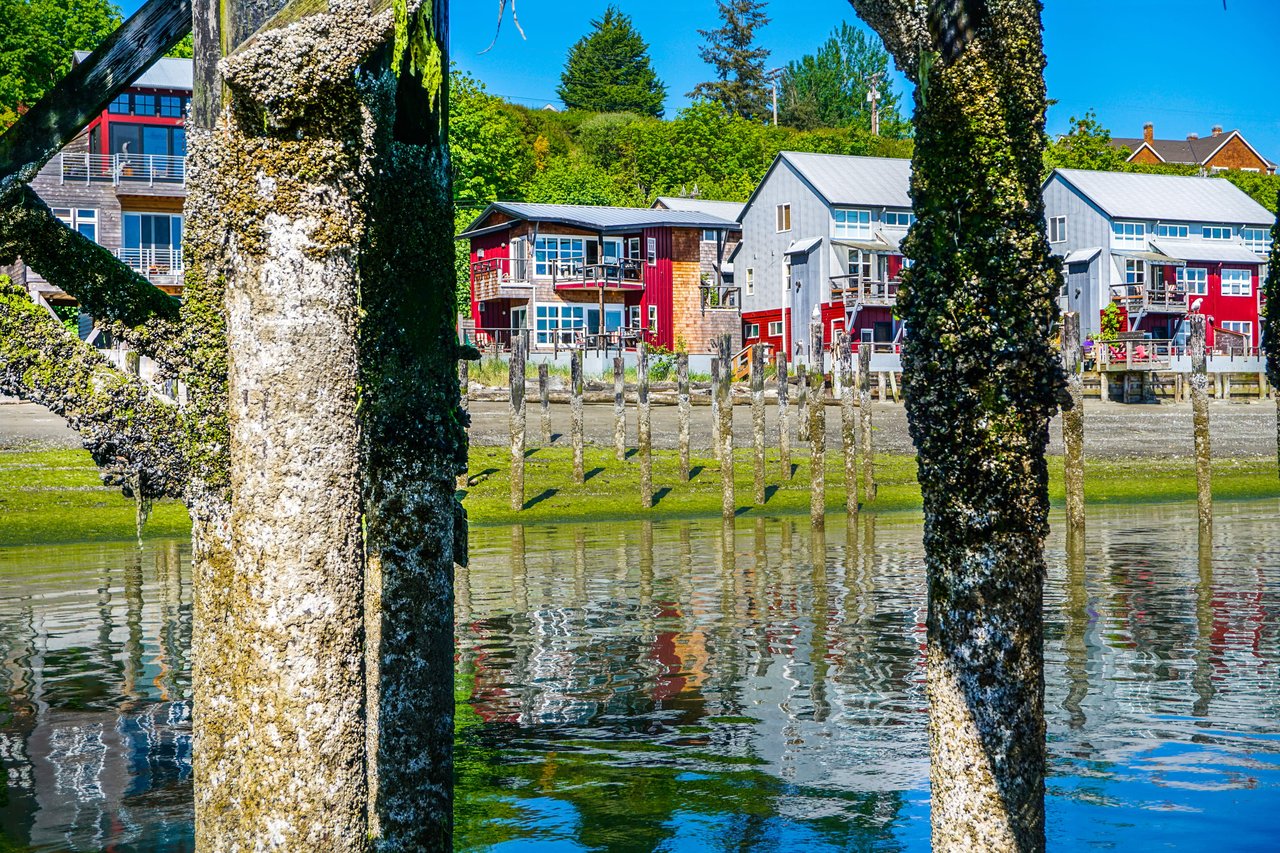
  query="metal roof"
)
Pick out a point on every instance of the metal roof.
point(844, 179)
point(166, 73)
point(1153, 257)
point(1218, 251)
point(1169, 198)
point(608, 220)
point(1082, 256)
point(724, 209)
point(803, 247)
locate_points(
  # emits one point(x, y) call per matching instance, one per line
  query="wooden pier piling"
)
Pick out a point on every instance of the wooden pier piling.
point(575, 413)
point(784, 416)
point(802, 402)
point(757, 420)
point(682, 403)
point(725, 420)
point(1199, 382)
point(848, 423)
point(644, 428)
point(544, 398)
point(715, 406)
point(464, 381)
point(515, 373)
point(817, 452)
point(1073, 422)
point(864, 418)
point(619, 408)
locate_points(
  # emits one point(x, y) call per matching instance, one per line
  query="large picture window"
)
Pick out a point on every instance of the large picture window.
point(848, 222)
point(148, 139)
point(1194, 280)
point(562, 321)
point(1257, 239)
point(152, 242)
point(558, 255)
point(1237, 283)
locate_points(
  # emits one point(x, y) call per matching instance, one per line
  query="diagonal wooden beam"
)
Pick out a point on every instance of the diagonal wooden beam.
point(88, 88)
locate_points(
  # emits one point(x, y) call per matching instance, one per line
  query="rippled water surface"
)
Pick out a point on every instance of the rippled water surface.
point(689, 687)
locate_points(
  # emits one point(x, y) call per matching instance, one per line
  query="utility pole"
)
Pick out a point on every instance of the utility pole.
point(873, 98)
point(772, 77)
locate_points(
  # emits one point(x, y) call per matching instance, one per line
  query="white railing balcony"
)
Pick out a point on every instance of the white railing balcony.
point(150, 169)
point(857, 290)
point(152, 262)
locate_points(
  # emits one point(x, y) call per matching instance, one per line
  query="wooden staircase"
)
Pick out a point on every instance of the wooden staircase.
point(742, 361)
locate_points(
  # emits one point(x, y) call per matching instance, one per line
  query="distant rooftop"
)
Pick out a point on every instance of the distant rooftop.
point(1172, 198)
point(609, 220)
point(166, 73)
point(724, 209)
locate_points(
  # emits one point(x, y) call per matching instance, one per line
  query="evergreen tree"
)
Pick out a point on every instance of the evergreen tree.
point(1087, 146)
point(829, 88)
point(608, 70)
point(740, 85)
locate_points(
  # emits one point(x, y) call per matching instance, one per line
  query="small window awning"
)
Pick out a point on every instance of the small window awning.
point(1152, 258)
point(1215, 251)
point(803, 247)
point(879, 244)
point(1082, 256)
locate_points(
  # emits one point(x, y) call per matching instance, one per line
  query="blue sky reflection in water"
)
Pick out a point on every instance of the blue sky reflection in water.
point(668, 687)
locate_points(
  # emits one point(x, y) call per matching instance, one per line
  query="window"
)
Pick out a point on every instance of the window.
point(170, 106)
point(1058, 229)
point(611, 251)
point(81, 220)
point(148, 139)
point(775, 328)
point(751, 281)
point(1180, 231)
point(1217, 232)
point(1194, 280)
point(152, 242)
point(653, 251)
point(895, 219)
point(784, 217)
point(144, 105)
point(1237, 282)
point(1130, 233)
point(860, 264)
point(1243, 327)
point(1257, 239)
point(1135, 271)
point(653, 319)
point(559, 320)
point(708, 235)
point(633, 248)
point(752, 331)
point(120, 106)
point(848, 222)
point(558, 255)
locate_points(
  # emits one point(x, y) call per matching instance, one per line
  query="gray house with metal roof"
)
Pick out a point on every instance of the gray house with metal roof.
point(1156, 245)
point(821, 234)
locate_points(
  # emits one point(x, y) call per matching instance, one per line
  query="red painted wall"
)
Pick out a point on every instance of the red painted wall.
point(495, 246)
point(658, 287)
point(1217, 307)
point(763, 318)
point(104, 121)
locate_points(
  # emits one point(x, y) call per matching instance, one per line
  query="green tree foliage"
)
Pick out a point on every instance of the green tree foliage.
point(608, 70)
point(1087, 146)
point(491, 157)
point(829, 88)
point(184, 49)
point(740, 85)
point(37, 40)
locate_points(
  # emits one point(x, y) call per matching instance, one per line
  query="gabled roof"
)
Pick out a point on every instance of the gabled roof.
point(1171, 198)
point(606, 220)
point(1194, 151)
point(166, 73)
point(845, 179)
point(724, 209)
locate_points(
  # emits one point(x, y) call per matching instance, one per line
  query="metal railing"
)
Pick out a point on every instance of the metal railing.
point(857, 289)
point(1139, 354)
point(622, 272)
point(150, 169)
point(158, 261)
point(558, 340)
point(719, 296)
point(1142, 299)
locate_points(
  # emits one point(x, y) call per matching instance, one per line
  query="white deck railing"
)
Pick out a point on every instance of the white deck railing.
point(150, 169)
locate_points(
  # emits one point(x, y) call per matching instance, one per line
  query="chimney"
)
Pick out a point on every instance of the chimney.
point(1192, 137)
point(1149, 132)
point(1217, 130)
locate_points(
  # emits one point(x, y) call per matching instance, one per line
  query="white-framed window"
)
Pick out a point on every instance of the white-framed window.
point(80, 219)
point(1129, 233)
point(633, 316)
point(850, 222)
point(784, 217)
point(775, 328)
point(861, 264)
point(1237, 282)
point(1217, 232)
point(557, 254)
point(752, 331)
point(653, 319)
point(899, 219)
point(1135, 271)
point(563, 320)
point(708, 235)
point(1257, 239)
point(611, 250)
point(633, 248)
point(1181, 231)
point(1058, 229)
point(1194, 280)
point(653, 251)
point(1243, 327)
point(750, 283)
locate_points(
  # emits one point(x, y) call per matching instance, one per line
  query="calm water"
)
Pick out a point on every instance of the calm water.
point(686, 687)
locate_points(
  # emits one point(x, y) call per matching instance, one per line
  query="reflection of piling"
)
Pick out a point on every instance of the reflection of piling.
point(1073, 421)
point(644, 430)
point(575, 425)
point(1200, 412)
point(848, 423)
point(1075, 625)
point(544, 398)
point(682, 403)
point(619, 408)
point(516, 373)
point(784, 417)
point(757, 419)
point(726, 430)
point(864, 417)
point(802, 402)
point(1202, 672)
point(817, 440)
point(715, 407)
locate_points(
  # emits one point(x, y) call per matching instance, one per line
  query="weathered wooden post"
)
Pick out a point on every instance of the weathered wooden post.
point(464, 405)
point(727, 500)
point(817, 453)
point(848, 423)
point(1073, 421)
point(716, 367)
point(784, 416)
point(757, 419)
point(544, 398)
point(864, 419)
point(644, 432)
point(619, 408)
point(802, 401)
point(1200, 416)
point(515, 374)
point(682, 403)
point(575, 404)
point(1271, 326)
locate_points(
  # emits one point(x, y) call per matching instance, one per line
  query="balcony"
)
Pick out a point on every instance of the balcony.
point(501, 278)
point(856, 290)
point(130, 169)
point(620, 275)
point(161, 265)
point(1139, 299)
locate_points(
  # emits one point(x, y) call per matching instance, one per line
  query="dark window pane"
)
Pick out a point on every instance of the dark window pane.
point(120, 105)
point(126, 138)
point(132, 230)
point(155, 140)
point(144, 105)
point(179, 142)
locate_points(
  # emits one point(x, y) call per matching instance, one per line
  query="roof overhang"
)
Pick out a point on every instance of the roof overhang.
point(1214, 252)
point(879, 244)
point(1082, 256)
point(1152, 258)
point(803, 247)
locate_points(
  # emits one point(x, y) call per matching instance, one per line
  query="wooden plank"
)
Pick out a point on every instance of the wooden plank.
point(88, 88)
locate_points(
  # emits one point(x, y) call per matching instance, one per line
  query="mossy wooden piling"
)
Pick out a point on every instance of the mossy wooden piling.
point(848, 422)
point(544, 399)
point(864, 419)
point(715, 405)
point(644, 428)
point(802, 401)
point(515, 373)
point(1199, 382)
point(682, 402)
point(619, 408)
point(725, 421)
point(817, 431)
point(575, 424)
point(784, 417)
point(1073, 421)
point(757, 420)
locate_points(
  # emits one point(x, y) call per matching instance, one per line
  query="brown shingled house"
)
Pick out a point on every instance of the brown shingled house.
point(1217, 152)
